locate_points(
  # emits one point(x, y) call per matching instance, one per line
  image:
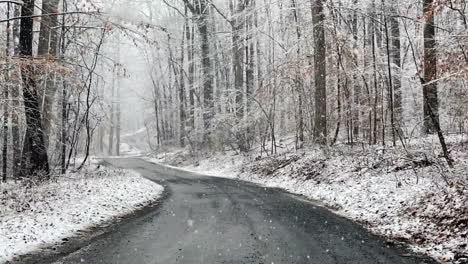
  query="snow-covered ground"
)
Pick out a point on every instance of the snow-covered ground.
point(409, 196)
point(39, 216)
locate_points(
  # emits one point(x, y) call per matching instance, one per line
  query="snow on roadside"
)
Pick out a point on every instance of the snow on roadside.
point(222, 166)
point(37, 216)
point(387, 204)
point(391, 194)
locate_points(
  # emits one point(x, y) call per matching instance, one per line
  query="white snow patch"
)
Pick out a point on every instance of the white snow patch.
point(221, 166)
point(37, 216)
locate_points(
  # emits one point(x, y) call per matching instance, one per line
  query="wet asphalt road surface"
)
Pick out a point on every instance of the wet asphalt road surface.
point(216, 220)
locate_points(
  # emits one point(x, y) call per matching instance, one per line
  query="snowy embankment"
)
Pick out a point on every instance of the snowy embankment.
point(411, 198)
point(34, 217)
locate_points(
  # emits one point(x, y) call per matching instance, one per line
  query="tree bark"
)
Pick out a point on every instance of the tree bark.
point(182, 95)
point(430, 95)
point(208, 111)
point(6, 96)
point(320, 73)
point(396, 59)
point(298, 81)
point(238, 55)
point(15, 95)
point(200, 10)
point(390, 81)
point(35, 160)
point(112, 115)
point(118, 114)
point(356, 83)
point(47, 49)
point(249, 73)
point(191, 73)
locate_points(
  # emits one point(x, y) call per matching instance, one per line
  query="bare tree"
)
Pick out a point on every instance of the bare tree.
point(430, 94)
point(47, 49)
point(35, 159)
point(320, 75)
point(200, 10)
point(6, 96)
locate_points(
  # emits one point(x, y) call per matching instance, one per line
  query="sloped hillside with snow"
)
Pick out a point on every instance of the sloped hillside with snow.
point(408, 195)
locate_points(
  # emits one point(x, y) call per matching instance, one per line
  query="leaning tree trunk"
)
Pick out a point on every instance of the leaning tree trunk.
point(35, 160)
point(430, 96)
point(390, 82)
point(320, 131)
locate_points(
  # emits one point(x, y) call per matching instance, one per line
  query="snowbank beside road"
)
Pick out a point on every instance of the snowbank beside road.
point(404, 198)
point(37, 216)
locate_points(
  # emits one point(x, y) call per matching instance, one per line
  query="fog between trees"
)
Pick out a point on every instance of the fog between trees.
point(233, 74)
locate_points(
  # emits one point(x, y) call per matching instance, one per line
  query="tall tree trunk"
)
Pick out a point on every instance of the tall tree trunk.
point(200, 9)
point(390, 81)
point(396, 59)
point(35, 159)
point(258, 53)
point(118, 113)
point(47, 49)
point(250, 67)
point(48, 31)
point(64, 127)
point(64, 134)
point(251, 58)
point(374, 74)
point(238, 55)
point(356, 83)
point(112, 115)
point(6, 96)
point(208, 103)
point(320, 74)
point(191, 73)
point(15, 95)
point(156, 111)
point(118, 118)
point(182, 95)
point(298, 81)
point(430, 95)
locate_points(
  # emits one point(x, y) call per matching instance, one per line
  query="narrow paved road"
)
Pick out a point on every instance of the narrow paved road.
point(215, 220)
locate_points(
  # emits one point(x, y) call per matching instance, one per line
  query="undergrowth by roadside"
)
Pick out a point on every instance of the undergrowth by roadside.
point(408, 194)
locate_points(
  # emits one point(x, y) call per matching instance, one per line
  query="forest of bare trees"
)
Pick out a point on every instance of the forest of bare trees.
point(356, 72)
point(236, 74)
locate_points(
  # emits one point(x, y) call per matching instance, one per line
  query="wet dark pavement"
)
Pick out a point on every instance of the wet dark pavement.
point(216, 220)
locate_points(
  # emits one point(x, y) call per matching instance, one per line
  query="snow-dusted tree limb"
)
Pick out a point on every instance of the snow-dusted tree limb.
point(11, 2)
point(53, 14)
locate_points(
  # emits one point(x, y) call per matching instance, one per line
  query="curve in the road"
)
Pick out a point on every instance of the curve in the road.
point(216, 220)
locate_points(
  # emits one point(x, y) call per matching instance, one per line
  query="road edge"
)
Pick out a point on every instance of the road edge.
point(400, 244)
point(83, 238)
